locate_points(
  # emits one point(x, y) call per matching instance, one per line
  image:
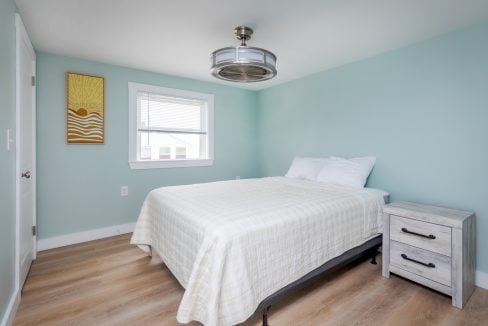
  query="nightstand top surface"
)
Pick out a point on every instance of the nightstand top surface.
point(433, 214)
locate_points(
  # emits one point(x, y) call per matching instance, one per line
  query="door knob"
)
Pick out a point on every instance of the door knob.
point(26, 174)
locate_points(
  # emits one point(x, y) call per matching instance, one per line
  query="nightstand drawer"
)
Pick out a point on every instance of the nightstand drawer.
point(432, 237)
point(424, 263)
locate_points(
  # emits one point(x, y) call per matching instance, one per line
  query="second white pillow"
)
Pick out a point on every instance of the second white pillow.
point(349, 172)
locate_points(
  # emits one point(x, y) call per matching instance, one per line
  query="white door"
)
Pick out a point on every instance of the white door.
point(25, 152)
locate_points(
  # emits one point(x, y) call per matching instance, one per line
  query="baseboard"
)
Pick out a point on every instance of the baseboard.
point(79, 237)
point(481, 279)
point(8, 317)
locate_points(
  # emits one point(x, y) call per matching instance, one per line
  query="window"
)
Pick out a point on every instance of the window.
point(164, 153)
point(169, 127)
point(180, 152)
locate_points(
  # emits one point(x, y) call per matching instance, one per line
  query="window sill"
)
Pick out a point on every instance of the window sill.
point(139, 165)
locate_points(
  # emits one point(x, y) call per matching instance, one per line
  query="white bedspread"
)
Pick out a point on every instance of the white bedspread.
point(231, 244)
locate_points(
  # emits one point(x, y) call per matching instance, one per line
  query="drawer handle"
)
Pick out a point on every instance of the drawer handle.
point(430, 265)
point(430, 236)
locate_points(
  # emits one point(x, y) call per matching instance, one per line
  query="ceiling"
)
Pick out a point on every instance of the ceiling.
point(176, 37)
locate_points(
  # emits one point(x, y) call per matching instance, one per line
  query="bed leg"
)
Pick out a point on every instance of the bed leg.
point(375, 252)
point(265, 316)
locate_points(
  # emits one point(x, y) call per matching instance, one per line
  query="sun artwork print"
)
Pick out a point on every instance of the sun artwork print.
point(85, 116)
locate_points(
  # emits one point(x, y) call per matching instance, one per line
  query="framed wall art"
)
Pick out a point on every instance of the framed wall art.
point(85, 110)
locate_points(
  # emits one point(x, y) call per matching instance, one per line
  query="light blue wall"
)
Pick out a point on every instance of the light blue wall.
point(79, 185)
point(7, 159)
point(421, 110)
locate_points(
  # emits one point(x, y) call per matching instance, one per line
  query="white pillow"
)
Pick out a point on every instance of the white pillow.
point(353, 172)
point(305, 168)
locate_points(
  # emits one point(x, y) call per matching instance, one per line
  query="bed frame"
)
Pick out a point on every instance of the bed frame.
point(367, 249)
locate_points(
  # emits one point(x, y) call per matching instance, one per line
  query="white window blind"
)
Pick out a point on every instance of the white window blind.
point(170, 114)
point(171, 127)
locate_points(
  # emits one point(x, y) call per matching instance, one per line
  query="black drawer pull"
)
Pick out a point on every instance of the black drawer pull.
point(430, 236)
point(418, 262)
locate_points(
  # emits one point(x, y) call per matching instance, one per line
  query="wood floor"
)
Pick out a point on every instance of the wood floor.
point(110, 282)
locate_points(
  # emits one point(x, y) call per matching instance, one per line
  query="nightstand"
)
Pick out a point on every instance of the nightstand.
point(433, 246)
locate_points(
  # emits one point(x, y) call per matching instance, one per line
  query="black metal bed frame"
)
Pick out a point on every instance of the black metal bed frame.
point(367, 249)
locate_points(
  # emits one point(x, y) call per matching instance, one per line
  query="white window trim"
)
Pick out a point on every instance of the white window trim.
point(134, 88)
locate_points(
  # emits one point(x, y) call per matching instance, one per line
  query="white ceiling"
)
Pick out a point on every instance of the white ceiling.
point(176, 37)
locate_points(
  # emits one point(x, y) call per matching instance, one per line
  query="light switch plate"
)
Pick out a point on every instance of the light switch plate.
point(10, 139)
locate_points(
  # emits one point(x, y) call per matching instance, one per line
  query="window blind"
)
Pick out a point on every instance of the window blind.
point(170, 114)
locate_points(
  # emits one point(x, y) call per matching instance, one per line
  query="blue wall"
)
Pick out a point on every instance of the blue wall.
point(7, 158)
point(79, 185)
point(421, 110)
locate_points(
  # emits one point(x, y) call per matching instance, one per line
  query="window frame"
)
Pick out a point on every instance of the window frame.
point(134, 117)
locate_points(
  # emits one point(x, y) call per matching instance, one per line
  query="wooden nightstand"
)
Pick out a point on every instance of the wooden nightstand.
point(433, 246)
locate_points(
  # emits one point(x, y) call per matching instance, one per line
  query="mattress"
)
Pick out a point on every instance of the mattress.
point(233, 243)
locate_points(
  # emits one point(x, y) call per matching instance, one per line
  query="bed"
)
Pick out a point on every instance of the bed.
point(234, 245)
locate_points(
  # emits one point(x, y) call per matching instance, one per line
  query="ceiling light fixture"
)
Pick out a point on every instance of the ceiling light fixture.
point(243, 63)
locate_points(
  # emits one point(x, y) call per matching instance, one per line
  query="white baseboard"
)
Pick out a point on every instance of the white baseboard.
point(13, 304)
point(481, 279)
point(79, 237)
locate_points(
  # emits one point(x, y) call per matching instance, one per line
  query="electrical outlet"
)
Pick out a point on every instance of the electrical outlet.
point(124, 191)
point(238, 177)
